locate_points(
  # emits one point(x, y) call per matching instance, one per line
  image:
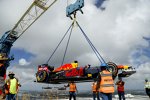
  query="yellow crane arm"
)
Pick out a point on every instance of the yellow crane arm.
point(37, 8)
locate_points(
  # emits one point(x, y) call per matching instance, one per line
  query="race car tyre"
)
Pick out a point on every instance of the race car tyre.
point(41, 76)
point(113, 68)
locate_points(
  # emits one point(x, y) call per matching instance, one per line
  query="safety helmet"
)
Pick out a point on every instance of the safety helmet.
point(3, 56)
point(11, 73)
point(146, 80)
point(103, 65)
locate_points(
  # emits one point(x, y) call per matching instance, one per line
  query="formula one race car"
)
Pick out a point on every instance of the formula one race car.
point(47, 74)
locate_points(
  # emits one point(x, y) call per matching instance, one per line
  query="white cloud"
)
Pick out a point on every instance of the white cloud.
point(23, 62)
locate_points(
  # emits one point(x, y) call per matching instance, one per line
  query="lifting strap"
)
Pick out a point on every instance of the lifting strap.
point(91, 44)
point(67, 44)
point(59, 43)
point(100, 58)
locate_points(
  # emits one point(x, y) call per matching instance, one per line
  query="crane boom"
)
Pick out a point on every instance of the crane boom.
point(37, 8)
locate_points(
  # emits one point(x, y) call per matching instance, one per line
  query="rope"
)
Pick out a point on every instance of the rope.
point(67, 44)
point(59, 43)
point(92, 46)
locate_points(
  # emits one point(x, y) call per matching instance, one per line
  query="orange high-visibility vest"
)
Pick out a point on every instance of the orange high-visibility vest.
point(94, 86)
point(120, 87)
point(72, 87)
point(106, 83)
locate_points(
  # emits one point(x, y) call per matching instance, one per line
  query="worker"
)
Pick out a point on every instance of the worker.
point(12, 87)
point(72, 90)
point(147, 87)
point(95, 91)
point(105, 83)
point(120, 88)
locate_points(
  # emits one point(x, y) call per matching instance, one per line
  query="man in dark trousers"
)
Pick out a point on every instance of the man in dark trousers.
point(120, 88)
point(12, 87)
point(72, 90)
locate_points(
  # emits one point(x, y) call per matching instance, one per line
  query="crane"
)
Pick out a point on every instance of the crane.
point(36, 9)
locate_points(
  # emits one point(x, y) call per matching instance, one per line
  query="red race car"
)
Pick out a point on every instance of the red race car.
point(67, 72)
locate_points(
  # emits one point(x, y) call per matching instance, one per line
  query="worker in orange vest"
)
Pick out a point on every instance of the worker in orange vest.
point(11, 88)
point(95, 91)
point(120, 88)
point(72, 90)
point(105, 83)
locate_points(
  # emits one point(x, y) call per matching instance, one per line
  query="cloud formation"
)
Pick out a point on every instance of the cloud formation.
point(23, 62)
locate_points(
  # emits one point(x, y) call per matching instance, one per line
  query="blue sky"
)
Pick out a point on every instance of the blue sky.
point(19, 54)
point(98, 3)
point(140, 52)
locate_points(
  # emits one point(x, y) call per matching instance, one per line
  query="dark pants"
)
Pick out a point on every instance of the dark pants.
point(11, 97)
point(72, 94)
point(96, 94)
point(121, 95)
point(106, 96)
point(147, 91)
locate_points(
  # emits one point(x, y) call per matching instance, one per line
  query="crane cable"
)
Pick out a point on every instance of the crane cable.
point(100, 58)
point(91, 44)
point(67, 45)
point(59, 43)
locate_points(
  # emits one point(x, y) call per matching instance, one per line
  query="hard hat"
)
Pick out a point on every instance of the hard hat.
point(146, 79)
point(11, 73)
point(3, 57)
point(103, 65)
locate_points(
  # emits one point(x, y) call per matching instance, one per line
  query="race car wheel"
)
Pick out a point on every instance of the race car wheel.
point(41, 76)
point(113, 68)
